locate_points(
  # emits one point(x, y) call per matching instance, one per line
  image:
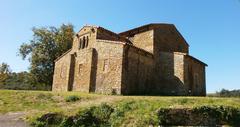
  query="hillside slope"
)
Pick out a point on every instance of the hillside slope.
point(128, 110)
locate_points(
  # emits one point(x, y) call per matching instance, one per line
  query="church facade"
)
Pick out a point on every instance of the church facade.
point(151, 59)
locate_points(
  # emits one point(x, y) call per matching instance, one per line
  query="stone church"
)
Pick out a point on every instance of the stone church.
point(148, 60)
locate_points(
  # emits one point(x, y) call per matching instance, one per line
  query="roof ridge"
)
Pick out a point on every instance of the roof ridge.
point(139, 48)
point(91, 25)
point(143, 26)
point(103, 40)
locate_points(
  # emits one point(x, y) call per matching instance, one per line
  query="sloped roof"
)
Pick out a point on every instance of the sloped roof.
point(121, 38)
point(193, 58)
point(62, 55)
point(143, 28)
point(147, 27)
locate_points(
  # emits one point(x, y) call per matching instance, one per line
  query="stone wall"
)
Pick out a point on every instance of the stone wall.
point(168, 39)
point(169, 74)
point(82, 70)
point(195, 76)
point(61, 73)
point(143, 40)
point(109, 55)
point(137, 71)
point(157, 38)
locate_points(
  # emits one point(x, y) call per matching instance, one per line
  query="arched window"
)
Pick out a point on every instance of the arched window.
point(80, 44)
point(87, 42)
point(84, 41)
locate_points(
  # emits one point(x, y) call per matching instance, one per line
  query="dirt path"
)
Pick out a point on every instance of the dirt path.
point(12, 119)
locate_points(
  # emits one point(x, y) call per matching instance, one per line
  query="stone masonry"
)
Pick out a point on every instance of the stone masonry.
point(149, 60)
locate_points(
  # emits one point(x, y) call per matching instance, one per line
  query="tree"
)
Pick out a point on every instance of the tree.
point(229, 93)
point(4, 68)
point(4, 73)
point(47, 44)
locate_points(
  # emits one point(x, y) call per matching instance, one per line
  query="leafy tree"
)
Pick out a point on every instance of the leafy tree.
point(229, 93)
point(47, 44)
point(4, 68)
point(4, 73)
point(15, 80)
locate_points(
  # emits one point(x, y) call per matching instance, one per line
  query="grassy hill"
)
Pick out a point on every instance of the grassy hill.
point(43, 107)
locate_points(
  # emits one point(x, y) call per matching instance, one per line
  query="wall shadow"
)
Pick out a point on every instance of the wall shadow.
point(71, 72)
point(165, 81)
point(93, 73)
point(136, 72)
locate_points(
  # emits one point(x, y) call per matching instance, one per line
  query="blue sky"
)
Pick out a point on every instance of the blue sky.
point(211, 27)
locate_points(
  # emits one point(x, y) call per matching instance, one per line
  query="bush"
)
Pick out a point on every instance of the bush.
point(48, 119)
point(94, 116)
point(222, 114)
point(67, 122)
point(83, 118)
point(203, 116)
point(72, 98)
point(119, 112)
point(229, 93)
point(38, 124)
point(102, 113)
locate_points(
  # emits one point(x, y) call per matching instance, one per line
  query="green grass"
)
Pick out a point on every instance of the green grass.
point(128, 110)
point(72, 98)
point(43, 101)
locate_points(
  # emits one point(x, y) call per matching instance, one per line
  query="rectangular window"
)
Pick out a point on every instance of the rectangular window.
point(80, 69)
point(63, 72)
point(105, 65)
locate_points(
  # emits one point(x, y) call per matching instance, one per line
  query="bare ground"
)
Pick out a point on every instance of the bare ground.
point(12, 119)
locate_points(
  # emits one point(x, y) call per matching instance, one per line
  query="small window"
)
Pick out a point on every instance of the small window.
point(87, 42)
point(83, 44)
point(80, 69)
point(63, 72)
point(105, 65)
point(80, 44)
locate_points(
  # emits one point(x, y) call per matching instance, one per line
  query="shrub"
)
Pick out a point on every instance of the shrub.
point(222, 114)
point(204, 116)
point(102, 113)
point(72, 98)
point(119, 112)
point(67, 122)
point(228, 93)
point(47, 120)
point(83, 118)
point(38, 124)
point(122, 108)
point(94, 116)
